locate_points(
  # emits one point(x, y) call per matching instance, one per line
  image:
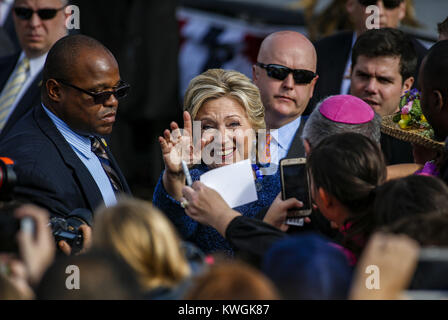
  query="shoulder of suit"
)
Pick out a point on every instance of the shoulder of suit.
point(9, 60)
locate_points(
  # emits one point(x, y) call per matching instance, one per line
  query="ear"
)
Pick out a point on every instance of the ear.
point(325, 197)
point(407, 85)
point(312, 84)
point(254, 73)
point(307, 146)
point(438, 100)
point(53, 90)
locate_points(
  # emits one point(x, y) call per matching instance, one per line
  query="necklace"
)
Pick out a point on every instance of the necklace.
point(258, 175)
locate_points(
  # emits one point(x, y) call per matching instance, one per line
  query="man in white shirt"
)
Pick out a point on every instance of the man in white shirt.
point(286, 75)
point(39, 24)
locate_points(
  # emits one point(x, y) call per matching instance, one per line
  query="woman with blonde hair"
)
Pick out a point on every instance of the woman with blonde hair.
point(142, 236)
point(228, 107)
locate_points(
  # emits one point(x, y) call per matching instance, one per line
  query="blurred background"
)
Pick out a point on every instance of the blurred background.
point(162, 45)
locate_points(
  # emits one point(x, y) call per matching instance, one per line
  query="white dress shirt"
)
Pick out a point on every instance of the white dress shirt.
point(282, 139)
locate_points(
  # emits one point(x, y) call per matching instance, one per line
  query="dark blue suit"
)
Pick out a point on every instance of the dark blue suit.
point(29, 99)
point(49, 172)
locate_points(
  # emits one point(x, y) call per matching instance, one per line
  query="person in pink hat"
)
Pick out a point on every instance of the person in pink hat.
point(338, 114)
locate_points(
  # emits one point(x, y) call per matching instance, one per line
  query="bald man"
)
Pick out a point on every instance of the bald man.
point(285, 73)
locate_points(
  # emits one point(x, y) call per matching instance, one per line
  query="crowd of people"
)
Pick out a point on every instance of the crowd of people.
point(375, 202)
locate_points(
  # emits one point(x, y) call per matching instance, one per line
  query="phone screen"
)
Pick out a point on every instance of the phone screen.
point(296, 184)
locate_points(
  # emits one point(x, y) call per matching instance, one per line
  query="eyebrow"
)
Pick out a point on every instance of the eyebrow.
point(227, 117)
point(362, 73)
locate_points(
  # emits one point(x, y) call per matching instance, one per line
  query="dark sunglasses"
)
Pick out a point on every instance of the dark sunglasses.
point(280, 72)
point(44, 14)
point(101, 97)
point(388, 4)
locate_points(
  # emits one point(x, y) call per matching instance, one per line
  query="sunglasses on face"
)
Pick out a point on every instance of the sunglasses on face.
point(44, 14)
point(388, 4)
point(101, 97)
point(280, 72)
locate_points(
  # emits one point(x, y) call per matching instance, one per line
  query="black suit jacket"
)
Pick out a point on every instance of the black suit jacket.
point(297, 150)
point(29, 99)
point(332, 56)
point(49, 173)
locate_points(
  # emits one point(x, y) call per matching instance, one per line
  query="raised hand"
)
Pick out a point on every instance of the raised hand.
point(177, 145)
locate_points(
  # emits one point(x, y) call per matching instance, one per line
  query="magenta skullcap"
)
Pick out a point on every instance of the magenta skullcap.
point(346, 108)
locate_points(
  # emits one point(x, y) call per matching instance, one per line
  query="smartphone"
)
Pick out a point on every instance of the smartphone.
point(295, 184)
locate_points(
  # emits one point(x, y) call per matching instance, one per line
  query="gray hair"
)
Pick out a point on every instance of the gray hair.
point(317, 127)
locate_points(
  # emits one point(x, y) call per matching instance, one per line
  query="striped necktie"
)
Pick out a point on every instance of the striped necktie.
point(12, 89)
point(266, 158)
point(99, 150)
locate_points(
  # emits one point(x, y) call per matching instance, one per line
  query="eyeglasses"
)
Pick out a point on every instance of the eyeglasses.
point(280, 72)
point(388, 4)
point(101, 97)
point(44, 14)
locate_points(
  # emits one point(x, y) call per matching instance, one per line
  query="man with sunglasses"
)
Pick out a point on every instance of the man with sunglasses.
point(285, 73)
point(62, 160)
point(38, 24)
point(334, 52)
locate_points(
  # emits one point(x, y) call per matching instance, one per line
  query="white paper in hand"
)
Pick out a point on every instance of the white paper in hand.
point(234, 182)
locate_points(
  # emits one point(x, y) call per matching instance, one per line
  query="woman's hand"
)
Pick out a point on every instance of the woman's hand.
point(177, 145)
point(206, 206)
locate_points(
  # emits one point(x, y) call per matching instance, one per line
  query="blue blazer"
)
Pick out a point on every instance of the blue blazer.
point(29, 99)
point(49, 173)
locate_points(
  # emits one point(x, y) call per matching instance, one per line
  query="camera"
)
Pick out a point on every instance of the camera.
point(67, 230)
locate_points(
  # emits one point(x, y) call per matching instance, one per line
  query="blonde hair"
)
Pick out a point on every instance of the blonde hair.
point(145, 239)
point(217, 83)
